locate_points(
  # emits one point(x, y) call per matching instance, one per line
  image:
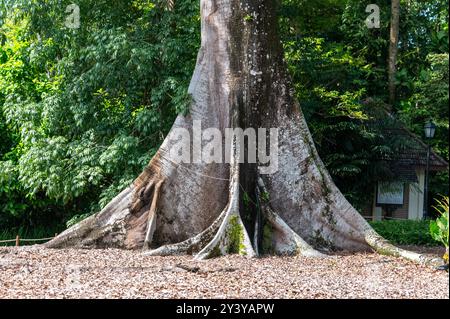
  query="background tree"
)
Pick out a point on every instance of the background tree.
point(393, 48)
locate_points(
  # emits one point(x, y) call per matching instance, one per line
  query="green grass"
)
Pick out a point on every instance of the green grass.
point(28, 233)
point(405, 232)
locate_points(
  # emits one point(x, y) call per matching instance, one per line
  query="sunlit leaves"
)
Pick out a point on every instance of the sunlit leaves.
point(90, 106)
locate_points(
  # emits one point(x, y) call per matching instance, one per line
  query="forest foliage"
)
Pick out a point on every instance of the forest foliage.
point(83, 110)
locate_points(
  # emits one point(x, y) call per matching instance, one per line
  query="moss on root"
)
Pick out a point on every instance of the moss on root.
point(236, 237)
point(233, 242)
point(215, 252)
point(265, 197)
point(327, 213)
point(320, 242)
point(267, 244)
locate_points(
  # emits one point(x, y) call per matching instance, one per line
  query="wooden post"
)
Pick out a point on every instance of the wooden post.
point(17, 241)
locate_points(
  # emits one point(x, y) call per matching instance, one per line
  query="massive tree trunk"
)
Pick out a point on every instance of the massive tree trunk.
point(240, 80)
point(393, 49)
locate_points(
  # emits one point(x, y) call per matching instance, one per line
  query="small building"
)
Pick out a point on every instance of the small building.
point(403, 198)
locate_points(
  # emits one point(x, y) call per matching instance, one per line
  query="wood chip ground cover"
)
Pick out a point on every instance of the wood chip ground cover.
point(35, 272)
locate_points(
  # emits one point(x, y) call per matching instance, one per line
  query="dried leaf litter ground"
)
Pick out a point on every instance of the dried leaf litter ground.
point(35, 272)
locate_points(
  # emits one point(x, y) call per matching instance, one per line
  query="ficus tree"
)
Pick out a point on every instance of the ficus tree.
point(240, 81)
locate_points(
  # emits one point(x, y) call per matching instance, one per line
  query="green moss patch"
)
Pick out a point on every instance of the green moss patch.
point(236, 237)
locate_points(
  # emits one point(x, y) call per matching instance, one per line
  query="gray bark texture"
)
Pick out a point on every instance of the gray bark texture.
point(208, 210)
point(393, 49)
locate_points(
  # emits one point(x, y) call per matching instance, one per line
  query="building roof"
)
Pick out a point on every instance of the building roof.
point(414, 152)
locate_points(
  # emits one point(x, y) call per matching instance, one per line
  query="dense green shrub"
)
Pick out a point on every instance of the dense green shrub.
point(405, 232)
point(439, 227)
point(29, 233)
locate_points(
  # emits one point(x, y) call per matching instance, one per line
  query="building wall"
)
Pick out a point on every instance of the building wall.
point(402, 212)
point(416, 196)
point(412, 207)
point(377, 212)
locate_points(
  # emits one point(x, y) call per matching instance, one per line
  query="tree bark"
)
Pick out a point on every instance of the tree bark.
point(393, 49)
point(207, 210)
